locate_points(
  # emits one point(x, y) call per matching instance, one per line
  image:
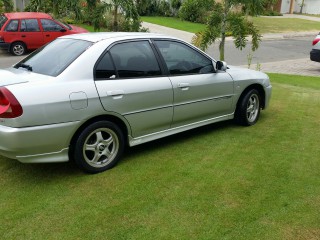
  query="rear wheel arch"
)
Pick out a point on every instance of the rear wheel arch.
point(105, 123)
point(109, 118)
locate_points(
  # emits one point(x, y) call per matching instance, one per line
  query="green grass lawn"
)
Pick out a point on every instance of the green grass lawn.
point(221, 181)
point(175, 23)
point(265, 25)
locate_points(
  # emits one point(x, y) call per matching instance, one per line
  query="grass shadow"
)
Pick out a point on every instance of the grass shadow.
point(133, 152)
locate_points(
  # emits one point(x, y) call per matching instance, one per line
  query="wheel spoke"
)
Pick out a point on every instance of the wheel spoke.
point(108, 141)
point(99, 137)
point(90, 147)
point(96, 157)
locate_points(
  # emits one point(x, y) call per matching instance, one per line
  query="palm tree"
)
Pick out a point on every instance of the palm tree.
point(224, 20)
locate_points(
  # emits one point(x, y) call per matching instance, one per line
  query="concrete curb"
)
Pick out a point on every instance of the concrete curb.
point(187, 36)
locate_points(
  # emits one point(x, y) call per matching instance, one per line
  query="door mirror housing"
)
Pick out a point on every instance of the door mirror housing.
point(221, 66)
point(62, 30)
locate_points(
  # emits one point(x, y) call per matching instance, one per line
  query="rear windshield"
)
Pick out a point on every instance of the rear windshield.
point(3, 19)
point(54, 58)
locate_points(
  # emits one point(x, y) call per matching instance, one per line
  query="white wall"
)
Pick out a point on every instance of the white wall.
point(310, 6)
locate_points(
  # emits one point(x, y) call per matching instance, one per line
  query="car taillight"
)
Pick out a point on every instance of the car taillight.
point(315, 41)
point(9, 105)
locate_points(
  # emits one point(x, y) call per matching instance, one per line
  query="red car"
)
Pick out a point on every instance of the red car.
point(22, 31)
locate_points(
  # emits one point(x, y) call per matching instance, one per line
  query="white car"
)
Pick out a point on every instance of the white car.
point(84, 97)
point(315, 52)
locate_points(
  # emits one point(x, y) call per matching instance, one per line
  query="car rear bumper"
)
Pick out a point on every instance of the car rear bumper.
point(49, 143)
point(315, 55)
point(4, 46)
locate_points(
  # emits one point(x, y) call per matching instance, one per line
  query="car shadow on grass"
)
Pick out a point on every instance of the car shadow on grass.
point(196, 134)
point(58, 170)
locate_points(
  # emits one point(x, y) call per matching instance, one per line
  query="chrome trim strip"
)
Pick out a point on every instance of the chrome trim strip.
point(181, 104)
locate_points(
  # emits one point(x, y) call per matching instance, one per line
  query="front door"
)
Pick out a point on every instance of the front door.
point(199, 92)
point(51, 30)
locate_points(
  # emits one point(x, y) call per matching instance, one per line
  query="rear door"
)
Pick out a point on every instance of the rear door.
point(129, 81)
point(31, 34)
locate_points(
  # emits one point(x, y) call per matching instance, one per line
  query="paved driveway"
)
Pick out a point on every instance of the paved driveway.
point(301, 66)
point(298, 66)
point(7, 60)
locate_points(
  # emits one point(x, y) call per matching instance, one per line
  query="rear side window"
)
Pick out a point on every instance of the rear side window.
point(105, 68)
point(3, 20)
point(29, 25)
point(12, 26)
point(135, 59)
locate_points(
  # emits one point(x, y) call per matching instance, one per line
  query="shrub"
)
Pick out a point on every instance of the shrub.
point(196, 10)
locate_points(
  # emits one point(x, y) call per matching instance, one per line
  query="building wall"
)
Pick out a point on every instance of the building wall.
point(20, 4)
point(310, 6)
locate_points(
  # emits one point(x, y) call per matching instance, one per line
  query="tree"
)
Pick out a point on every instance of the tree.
point(130, 12)
point(224, 20)
point(301, 6)
point(6, 5)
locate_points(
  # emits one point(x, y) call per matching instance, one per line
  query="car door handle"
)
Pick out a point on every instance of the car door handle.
point(47, 35)
point(184, 86)
point(23, 35)
point(116, 93)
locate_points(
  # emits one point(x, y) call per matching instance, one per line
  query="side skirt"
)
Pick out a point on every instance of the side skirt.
point(171, 131)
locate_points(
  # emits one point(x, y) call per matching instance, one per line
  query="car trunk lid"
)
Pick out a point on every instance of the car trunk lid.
point(12, 76)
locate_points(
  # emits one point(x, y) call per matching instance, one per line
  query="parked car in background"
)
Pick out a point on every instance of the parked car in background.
point(315, 52)
point(22, 31)
point(85, 97)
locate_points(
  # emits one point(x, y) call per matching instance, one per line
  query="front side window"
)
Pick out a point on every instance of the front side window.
point(54, 58)
point(50, 26)
point(29, 25)
point(12, 26)
point(135, 59)
point(182, 59)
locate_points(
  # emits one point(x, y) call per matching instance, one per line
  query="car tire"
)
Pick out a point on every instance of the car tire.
point(248, 109)
point(18, 48)
point(98, 147)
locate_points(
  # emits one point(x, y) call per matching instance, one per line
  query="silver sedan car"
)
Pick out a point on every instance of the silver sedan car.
point(85, 97)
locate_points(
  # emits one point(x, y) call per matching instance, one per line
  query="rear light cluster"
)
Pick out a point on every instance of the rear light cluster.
point(9, 105)
point(315, 41)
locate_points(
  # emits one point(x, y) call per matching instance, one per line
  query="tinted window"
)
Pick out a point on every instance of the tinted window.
point(12, 26)
point(55, 57)
point(182, 59)
point(50, 26)
point(135, 59)
point(29, 25)
point(105, 68)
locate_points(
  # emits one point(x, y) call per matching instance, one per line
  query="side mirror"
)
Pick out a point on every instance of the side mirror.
point(62, 30)
point(221, 66)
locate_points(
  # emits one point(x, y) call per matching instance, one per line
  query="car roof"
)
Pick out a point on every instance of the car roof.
point(99, 36)
point(21, 15)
